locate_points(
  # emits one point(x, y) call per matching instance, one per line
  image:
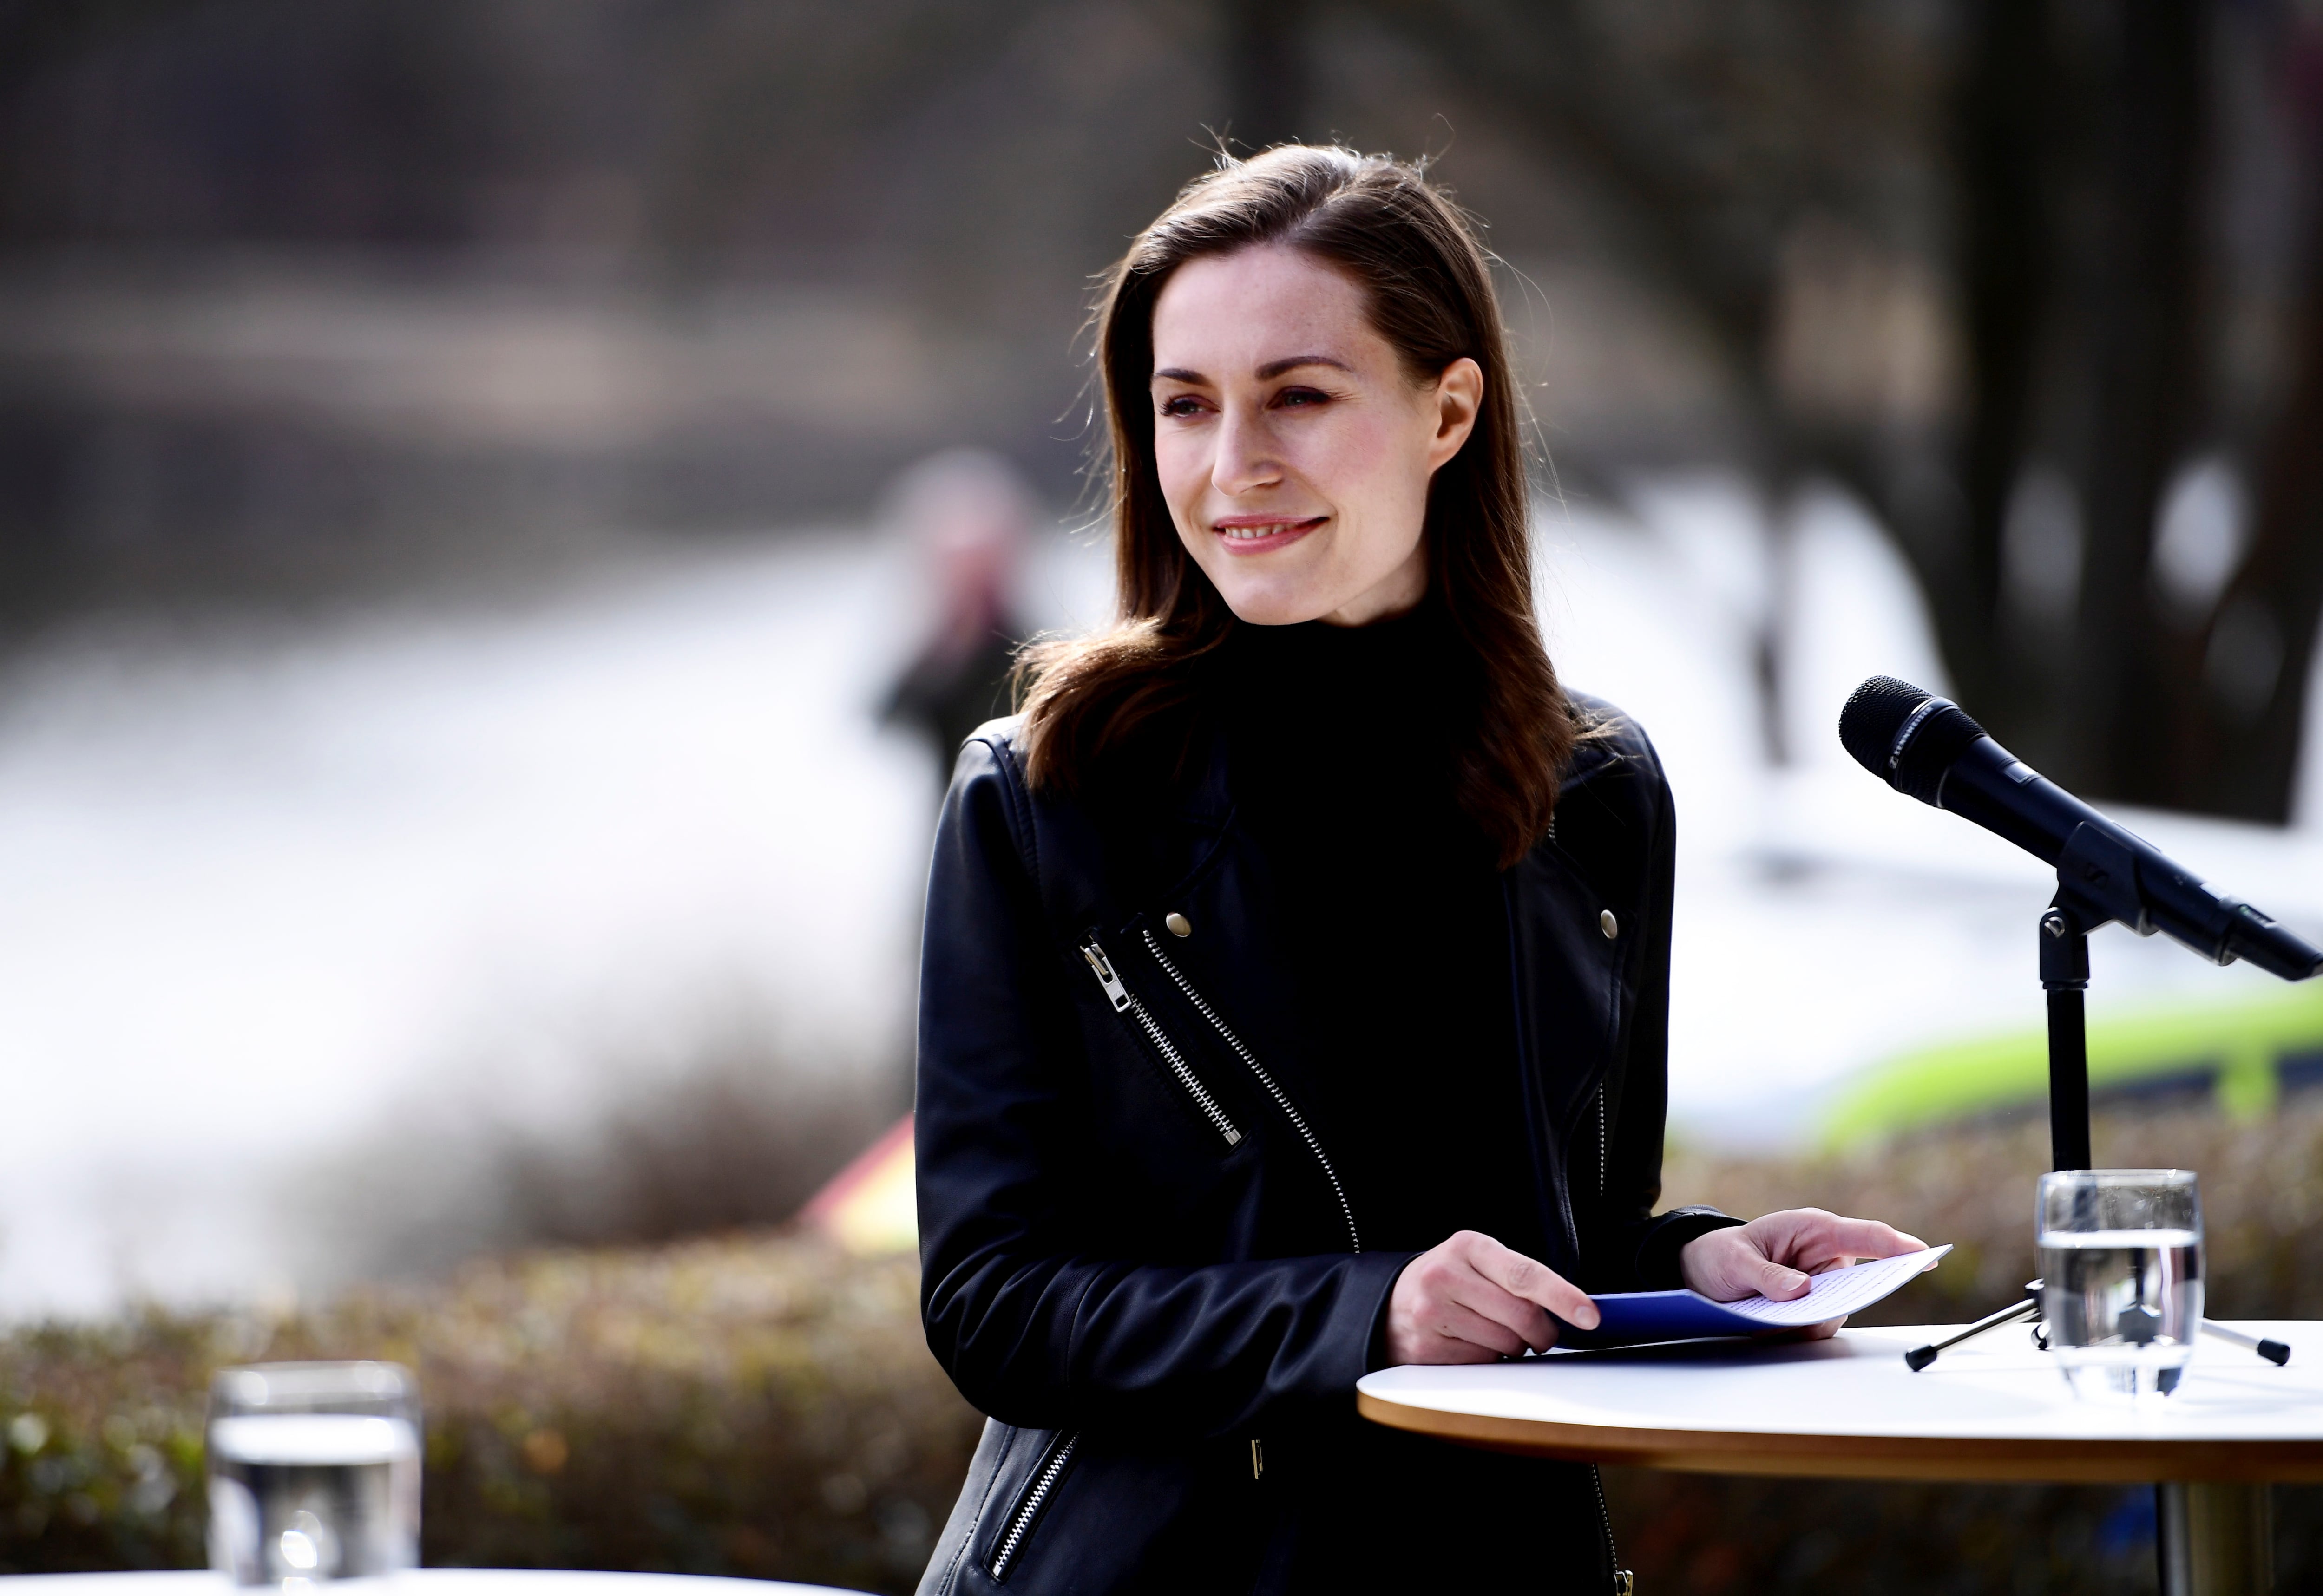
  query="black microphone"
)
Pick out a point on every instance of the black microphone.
point(1929, 747)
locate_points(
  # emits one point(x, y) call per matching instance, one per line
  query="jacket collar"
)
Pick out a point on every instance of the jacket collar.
point(1207, 804)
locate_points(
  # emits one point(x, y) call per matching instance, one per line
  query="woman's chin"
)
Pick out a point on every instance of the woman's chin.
point(1276, 609)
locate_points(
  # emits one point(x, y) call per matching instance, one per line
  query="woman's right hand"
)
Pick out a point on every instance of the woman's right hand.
point(1471, 1300)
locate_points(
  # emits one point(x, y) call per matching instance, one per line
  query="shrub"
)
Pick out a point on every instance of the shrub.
point(765, 1405)
point(762, 1406)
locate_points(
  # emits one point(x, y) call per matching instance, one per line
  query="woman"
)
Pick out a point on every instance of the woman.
point(1294, 993)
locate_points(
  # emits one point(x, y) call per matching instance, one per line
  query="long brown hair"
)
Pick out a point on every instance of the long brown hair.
point(1429, 294)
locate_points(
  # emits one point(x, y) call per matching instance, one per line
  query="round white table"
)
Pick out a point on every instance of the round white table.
point(423, 1582)
point(1995, 1408)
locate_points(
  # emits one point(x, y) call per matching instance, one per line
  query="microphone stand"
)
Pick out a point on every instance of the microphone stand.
point(2065, 976)
point(2233, 1545)
point(2097, 883)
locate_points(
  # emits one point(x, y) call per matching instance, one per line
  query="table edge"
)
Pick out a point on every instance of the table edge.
point(2125, 1461)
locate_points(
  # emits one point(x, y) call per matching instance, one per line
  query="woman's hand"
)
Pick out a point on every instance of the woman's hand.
point(1470, 1301)
point(1772, 1256)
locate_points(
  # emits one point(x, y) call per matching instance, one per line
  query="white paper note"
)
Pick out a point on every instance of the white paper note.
point(1840, 1292)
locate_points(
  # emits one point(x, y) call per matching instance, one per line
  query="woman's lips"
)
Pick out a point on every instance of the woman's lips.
point(1258, 535)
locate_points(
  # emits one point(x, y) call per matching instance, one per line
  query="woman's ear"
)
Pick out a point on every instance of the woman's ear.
point(1459, 394)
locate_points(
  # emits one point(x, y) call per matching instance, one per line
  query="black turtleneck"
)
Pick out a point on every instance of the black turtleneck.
point(1343, 741)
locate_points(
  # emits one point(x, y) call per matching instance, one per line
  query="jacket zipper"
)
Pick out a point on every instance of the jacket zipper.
point(1281, 1099)
point(1624, 1582)
point(1124, 1002)
point(1601, 1141)
point(1564, 1191)
point(1044, 1481)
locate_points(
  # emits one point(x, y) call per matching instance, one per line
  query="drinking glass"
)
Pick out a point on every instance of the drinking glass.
point(2121, 1267)
point(314, 1472)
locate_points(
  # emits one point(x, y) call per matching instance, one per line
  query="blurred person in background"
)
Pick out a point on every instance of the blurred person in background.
point(1294, 994)
point(970, 514)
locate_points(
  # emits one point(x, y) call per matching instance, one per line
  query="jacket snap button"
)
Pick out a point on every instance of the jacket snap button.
point(1608, 924)
point(1179, 926)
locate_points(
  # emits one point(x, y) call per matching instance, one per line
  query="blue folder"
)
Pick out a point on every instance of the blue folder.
point(1627, 1318)
point(1630, 1317)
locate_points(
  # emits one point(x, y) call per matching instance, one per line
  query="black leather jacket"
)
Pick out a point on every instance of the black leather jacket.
point(1137, 1257)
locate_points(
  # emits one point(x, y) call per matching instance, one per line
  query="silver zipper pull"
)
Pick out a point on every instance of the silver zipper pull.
point(1097, 962)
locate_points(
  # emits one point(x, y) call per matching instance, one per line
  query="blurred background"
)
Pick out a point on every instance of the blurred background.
point(504, 509)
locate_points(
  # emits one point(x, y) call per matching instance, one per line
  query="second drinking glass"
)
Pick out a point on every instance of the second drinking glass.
point(2121, 1267)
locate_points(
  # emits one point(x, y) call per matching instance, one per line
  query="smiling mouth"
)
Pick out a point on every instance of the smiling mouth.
point(1243, 537)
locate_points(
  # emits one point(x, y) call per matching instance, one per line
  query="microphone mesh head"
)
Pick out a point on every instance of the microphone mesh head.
point(1875, 712)
point(1878, 712)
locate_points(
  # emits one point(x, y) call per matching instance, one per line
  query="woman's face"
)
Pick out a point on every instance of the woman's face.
point(1294, 452)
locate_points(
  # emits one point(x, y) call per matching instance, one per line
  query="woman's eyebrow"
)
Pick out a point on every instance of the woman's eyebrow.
point(1266, 373)
point(1275, 367)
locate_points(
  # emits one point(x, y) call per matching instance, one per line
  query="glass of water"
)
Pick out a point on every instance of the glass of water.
point(314, 1472)
point(2121, 1270)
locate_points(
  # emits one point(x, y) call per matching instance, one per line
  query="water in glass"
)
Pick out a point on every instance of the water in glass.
point(2121, 1266)
point(314, 1472)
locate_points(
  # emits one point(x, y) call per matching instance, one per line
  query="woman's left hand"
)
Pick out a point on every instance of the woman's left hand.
point(1773, 1255)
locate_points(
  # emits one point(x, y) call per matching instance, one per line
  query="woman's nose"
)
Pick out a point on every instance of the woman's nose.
point(1246, 458)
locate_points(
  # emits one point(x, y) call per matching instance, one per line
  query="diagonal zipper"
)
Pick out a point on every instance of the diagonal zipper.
point(1020, 1522)
point(1281, 1099)
point(1125, 1002)
point(1624, 1582)
point(1601, 1141)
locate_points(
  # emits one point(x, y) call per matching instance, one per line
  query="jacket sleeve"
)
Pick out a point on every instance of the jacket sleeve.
point(1025, 1309)
point(1632, 1248)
